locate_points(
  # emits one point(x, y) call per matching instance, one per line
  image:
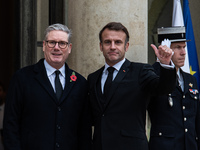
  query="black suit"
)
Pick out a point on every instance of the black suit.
point(35, 120)
point(120, 124)
point(177, 126)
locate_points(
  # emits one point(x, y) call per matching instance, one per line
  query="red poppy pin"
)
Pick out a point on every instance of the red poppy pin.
point(73, 77)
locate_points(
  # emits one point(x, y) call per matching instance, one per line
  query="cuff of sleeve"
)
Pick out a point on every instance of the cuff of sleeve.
point(171, 66)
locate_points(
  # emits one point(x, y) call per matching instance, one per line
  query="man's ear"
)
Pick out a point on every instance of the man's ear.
point(70, 48)
point(101, 46)
point(126, 46)
point(43, 48)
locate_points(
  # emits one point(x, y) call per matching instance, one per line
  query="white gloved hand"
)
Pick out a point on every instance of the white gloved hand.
point(167, 42)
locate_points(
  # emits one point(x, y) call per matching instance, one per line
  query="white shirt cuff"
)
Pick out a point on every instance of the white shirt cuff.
point(171, 66)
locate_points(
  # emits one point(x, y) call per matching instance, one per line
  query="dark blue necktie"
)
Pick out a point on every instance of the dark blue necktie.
point(108, 81)
point(58, 86)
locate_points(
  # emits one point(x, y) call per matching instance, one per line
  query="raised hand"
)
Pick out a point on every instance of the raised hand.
point(163, 53)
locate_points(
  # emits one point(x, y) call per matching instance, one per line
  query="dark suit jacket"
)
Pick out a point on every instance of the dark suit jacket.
point(120, 125)
point(176, 127)
point(34, 120)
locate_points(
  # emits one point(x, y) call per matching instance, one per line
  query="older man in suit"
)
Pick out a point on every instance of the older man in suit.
point(119, 105)
point(46, 105)
point(175, 117)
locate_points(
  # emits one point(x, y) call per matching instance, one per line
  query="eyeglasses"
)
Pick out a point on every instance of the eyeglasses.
point(61, 44)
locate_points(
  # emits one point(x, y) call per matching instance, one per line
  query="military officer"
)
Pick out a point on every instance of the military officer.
point(175, 117)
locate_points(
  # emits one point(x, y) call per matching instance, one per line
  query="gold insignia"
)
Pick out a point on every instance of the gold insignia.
point(191, 85)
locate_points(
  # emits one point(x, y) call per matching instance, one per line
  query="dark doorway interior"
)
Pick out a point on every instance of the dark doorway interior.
point(18, 34)
point(9, 56)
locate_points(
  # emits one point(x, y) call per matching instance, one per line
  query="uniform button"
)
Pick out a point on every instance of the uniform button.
point(103, 115)
point(195, 97)
point(183, 96)
point(183, 107)
point(160, 134)
point(58, 127)
point(57, 145)
point(59, 109)
point(185, 118)
point(186, 130)
point(196, 138)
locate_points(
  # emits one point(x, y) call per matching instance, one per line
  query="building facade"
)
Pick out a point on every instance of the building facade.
point(24, 22)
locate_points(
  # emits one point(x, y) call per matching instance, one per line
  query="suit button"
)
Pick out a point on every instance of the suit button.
point(103, 115)
point(183, 107)
point(57, 145)
point(183, 96)
point(185, 118)
point(160, 134)
point(186, 130)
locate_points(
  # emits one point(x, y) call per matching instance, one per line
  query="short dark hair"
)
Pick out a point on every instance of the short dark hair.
point(117, 26)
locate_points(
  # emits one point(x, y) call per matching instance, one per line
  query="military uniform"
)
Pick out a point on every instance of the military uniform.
point(175, 118)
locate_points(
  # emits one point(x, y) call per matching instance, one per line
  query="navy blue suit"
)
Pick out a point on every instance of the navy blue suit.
point(177, 126)
point(120, 123)
point(35, 120)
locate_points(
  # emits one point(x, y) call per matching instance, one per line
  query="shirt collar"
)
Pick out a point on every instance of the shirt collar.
point(179, 75)
point(50, 70)
point(178, 72)
point(117, 66)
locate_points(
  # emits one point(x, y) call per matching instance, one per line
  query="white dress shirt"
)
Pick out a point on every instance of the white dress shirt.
point(105, 72)
point(51, 74)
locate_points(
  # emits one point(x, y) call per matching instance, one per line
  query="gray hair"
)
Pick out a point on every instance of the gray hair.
point(58, 27)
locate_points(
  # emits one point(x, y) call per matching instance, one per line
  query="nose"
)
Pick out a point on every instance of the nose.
point(113, 45)
point(183, 52)
point(56, 46)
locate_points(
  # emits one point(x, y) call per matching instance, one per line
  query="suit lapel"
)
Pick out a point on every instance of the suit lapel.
point(41, 77)
point(121, 74)
point(186, 82)
point(68, 83)
point(97, 82)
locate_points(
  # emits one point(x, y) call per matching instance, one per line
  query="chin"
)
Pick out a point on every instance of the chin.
point(56, 59)
point(181, 66)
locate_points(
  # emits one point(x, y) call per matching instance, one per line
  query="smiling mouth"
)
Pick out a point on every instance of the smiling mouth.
point(56, 54)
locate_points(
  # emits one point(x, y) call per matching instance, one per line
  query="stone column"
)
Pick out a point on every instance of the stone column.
point(87, 17)
point(42, 24)
point(27, 32)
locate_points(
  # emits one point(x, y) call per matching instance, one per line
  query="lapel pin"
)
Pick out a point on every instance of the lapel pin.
point(191, 85)
point(124, 70)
